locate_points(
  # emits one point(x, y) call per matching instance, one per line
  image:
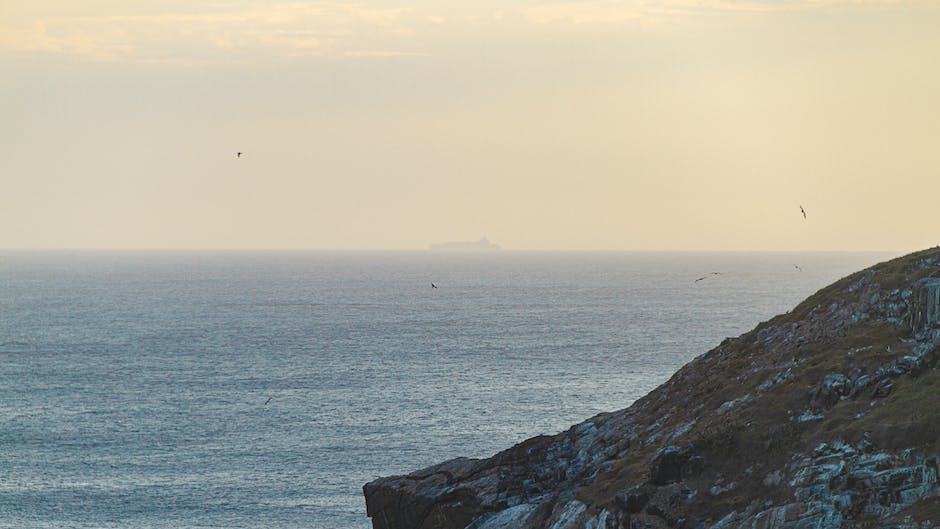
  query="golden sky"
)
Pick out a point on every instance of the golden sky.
point(386, 124)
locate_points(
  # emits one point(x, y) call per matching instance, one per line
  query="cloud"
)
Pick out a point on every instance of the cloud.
point(230, 31)
point(383, 53)
point(619, 11)
point(223, 30)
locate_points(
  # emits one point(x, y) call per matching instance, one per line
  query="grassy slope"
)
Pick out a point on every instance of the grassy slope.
point(757, 437)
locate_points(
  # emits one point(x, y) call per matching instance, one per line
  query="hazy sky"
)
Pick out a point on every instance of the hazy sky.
point(632, 124)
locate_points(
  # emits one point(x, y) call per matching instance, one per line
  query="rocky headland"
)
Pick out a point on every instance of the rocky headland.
point(827, 416)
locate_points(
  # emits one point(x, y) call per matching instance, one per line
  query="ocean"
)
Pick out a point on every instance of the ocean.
point(152, 389)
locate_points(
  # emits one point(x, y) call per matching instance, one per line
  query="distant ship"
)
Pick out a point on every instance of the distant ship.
point(465, 246)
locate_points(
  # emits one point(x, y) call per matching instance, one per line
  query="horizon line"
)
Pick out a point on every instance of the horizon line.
point(450, 252)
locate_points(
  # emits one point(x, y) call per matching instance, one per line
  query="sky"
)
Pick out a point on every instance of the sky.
point(392, 124)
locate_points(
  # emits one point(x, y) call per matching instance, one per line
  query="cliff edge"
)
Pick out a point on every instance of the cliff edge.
point(827, 416)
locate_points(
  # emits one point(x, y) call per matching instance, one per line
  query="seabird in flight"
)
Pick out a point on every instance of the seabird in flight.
point(797, 267)
point(267, 401)
point(238, 154)
point(706, 277)
point(803, 211)
point(433, 285)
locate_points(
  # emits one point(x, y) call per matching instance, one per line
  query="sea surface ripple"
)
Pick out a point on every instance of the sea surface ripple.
point(263, 389)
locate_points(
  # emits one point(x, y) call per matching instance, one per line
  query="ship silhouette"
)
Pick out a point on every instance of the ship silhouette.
point(483, 244)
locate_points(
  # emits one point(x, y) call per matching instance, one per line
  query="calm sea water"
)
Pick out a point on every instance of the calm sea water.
point(240, 389)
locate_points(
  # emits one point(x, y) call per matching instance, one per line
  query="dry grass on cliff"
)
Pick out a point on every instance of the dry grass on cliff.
point(761, 434)
point(927, 509)
point(910, 416)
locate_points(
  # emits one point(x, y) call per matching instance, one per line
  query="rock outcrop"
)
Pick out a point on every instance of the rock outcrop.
point(827, 416)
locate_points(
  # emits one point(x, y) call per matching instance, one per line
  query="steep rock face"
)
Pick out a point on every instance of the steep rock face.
point(825, 417)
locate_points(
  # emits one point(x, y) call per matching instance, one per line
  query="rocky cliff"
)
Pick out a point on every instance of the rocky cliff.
point(827, 416)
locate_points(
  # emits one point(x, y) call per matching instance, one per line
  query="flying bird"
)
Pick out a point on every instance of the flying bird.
point(267, 401)
point(706, 277)
point(433, 285)
point(238, 154)
point(797, 267)
point(803, 211)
